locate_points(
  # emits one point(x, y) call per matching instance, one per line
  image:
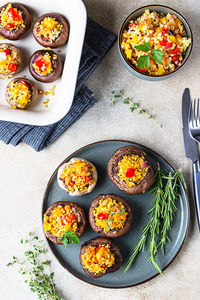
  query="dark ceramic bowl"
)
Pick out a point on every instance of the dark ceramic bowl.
point(134, 15)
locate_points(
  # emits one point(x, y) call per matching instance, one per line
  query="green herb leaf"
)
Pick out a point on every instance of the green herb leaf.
point(157, 56)
point(126, 101)
point(70, 237)
point(143, 62)
point(165, 192)
point(145, 47)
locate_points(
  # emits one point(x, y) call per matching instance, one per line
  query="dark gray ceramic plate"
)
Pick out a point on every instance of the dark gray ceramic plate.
point(141, 271)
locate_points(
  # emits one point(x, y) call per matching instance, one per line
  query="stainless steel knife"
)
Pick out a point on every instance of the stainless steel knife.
point(191, 151)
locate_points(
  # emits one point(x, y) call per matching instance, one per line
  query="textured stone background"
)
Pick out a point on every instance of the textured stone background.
point(24, 173)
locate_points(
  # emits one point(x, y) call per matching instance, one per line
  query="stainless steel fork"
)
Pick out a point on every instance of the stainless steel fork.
point(194, 120)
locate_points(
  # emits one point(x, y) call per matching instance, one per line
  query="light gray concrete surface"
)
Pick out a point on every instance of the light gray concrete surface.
point(25, 173)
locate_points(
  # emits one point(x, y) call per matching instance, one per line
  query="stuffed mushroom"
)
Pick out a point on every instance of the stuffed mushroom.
point(110, 215)
point(51, 30)
point(61, 217)
point(100, 256)
point(77, 177)
point(15, 21)
point(21, 93)
point(45, 66)
point(11, 60)
point(130, 170)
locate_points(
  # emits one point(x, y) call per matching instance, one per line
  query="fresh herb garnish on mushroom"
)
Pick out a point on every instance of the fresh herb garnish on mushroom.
point(70, 237)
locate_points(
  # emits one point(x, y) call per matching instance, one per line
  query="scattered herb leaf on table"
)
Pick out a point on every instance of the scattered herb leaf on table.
point(35, 269)
point(165, 192)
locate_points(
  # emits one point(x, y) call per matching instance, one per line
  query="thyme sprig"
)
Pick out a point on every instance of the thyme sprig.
point(165, 193)
point(133, 105)
point(35, 269)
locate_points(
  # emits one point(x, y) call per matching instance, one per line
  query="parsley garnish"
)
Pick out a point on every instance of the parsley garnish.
point(70, 237)
point(144, 61)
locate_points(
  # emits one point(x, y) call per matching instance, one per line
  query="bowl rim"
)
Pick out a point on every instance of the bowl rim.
point(149, 7)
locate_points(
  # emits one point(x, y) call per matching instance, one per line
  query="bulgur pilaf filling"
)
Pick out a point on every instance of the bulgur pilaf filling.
point(110, 215)
point(77, 176)
point(132, 169)
point(162, 32)
point(61, 220)
point(97, 259)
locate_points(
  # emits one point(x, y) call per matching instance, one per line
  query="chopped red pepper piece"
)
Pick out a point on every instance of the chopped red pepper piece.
point(175, 51)
point(41, 64)
point(143, 70)
point(165, 44)
point(87, 178)
point(175, 58)
point(6, 51)
point(71, 183)
point(12, 67)
point(13, 14)
point(69, 218)
point(164, 31)
point(132, 24)
point(9, 26)
point(130, 172)
point(102, 216)
point(24, 83)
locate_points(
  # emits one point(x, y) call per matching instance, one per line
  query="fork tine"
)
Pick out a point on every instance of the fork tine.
point(194, 112)
point(198, 121)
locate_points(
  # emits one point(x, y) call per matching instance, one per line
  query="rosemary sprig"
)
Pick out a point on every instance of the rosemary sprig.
point(35, 269)
point(133, 106)
point(165, 193)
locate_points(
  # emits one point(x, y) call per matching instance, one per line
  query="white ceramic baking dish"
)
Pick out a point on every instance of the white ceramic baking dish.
point(58, 105)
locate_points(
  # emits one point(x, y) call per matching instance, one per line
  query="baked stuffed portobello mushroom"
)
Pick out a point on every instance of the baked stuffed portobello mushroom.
point(15, 21)
point(63, 216)
point(77, 177)
point(100, 256)
point(21, 93)
point(51, 30)
point(45, 66)
point(130, 170)
point(11, 60)
point(110, 215)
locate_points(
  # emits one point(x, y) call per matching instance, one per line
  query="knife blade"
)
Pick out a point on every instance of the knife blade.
point(191, 151)
point(191, 147)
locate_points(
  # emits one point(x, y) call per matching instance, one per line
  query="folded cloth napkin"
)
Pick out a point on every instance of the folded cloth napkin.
point(98, 41)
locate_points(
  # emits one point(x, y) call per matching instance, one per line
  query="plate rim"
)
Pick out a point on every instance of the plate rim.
point(70, 270)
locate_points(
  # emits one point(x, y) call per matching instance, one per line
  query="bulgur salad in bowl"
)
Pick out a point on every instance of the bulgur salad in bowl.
point(154, 42)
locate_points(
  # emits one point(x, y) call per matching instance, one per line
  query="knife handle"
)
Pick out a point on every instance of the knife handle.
point(196, 182)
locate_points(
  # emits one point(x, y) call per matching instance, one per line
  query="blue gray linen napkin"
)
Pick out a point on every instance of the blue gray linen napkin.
point(98, 41)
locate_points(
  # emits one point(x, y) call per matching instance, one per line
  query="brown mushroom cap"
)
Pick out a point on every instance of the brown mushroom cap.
point(140, 186)
point(56, 64)
point(60, 40)
point(79, 214)
point(22, 31)
point(19, 57)
point(100, 230)
point(114, 249)
point(33, 88)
